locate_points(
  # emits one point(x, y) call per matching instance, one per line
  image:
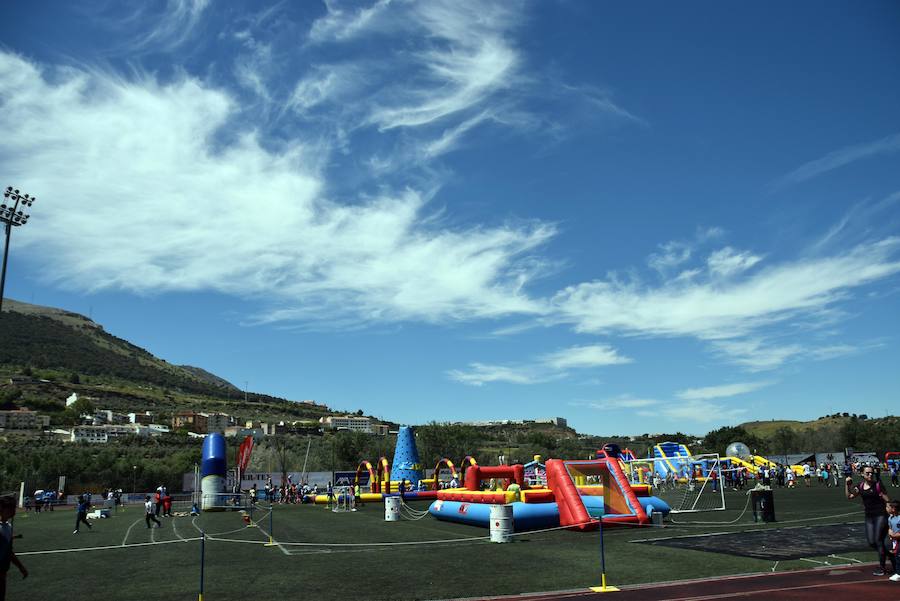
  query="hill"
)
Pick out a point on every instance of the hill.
point(768, 429)
point(64, 352)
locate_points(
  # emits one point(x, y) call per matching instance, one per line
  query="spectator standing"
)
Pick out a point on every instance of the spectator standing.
point(7, 556)
point(167, 503)
point(807, 474)
point(894, 475)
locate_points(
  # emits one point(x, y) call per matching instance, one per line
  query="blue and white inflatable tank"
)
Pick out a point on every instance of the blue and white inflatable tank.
point(213, 470)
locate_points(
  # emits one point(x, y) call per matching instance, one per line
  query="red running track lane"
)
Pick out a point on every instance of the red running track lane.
point(834, 583)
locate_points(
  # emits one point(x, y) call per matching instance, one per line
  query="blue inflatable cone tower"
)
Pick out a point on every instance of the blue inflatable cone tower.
point(406, 459)
point(213, 469)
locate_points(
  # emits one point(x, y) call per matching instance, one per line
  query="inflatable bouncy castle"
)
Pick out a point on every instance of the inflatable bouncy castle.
point(578, 494)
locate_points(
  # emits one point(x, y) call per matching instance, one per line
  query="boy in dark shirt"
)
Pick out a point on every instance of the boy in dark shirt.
point(7, 557)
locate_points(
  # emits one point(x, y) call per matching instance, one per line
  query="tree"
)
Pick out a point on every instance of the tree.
point(785, 440)
point(717, 440)
point(8, 397)
point(82, 406)
point(281, 454)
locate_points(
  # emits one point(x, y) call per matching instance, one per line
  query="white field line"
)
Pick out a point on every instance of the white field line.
point(107, 547)
point(127, 532)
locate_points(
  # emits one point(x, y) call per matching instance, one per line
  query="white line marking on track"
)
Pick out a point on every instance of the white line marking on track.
point(270, 537)
point(127, 532)
point(175, 530)
point(769, 591)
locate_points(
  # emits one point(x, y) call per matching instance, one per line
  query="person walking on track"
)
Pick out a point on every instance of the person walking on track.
point(150, 514)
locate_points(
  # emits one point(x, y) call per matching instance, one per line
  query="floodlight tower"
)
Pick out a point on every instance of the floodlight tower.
point(12, 216)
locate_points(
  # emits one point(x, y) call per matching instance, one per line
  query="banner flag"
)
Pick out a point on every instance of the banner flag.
point(244, 453)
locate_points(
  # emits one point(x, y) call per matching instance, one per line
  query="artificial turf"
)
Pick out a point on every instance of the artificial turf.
point(456, 566)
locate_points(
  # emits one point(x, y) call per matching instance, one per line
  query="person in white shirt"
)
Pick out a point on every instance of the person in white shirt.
point(149, 514)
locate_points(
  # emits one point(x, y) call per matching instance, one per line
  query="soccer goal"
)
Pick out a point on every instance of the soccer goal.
point(219, 501)
point(692, 483)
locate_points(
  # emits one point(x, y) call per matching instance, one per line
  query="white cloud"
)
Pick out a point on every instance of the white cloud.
point(323, 85)
point(437, 73)
point(339, 24)
point(839, 158)
point(178, 193)
point(734, 304)
point(170, 30)
point(725, 309)
point(479, 374)
point(727, 262)
point(593, 355)
point(696, 412)
point(672, 254)
point(755, 355)
point(548, 367)
point(472, 61)
point(450, 137)
point(720, 392)
point(620, 402)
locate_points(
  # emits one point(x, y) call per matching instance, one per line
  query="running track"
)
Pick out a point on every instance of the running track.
point(834, 583)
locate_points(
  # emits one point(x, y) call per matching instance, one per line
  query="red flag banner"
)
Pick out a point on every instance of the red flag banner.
point(244, 453)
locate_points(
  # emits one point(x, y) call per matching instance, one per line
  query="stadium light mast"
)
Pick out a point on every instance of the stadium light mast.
point(12, 216)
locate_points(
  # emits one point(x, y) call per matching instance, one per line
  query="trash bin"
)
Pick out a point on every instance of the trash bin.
point(763, 502)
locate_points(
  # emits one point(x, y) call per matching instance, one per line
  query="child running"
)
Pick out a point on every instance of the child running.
point(82, 509)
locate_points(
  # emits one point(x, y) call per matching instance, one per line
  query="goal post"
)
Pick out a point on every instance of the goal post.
point(689, 484)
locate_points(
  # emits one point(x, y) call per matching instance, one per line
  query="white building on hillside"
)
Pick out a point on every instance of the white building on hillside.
point(354, 423)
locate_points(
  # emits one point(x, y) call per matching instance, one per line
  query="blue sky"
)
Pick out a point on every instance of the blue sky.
point(643, 218)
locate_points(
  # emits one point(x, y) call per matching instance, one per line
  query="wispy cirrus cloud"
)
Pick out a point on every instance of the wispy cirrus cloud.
point(462, 70)
point(545, 368)
point(730, 303)
point(691, 411)
point(168, 30)
point(722, 391)
point(696, 412)
point(839, 158)
point(268, 227)
point(340, 24)
point(619, 402)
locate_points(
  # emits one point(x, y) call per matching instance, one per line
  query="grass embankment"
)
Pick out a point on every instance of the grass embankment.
point(455, 567)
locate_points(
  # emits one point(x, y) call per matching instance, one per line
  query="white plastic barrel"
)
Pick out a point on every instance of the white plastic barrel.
point(392, 509)
point(501, 523)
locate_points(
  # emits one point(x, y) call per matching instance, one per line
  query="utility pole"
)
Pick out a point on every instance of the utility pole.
point(12, 216)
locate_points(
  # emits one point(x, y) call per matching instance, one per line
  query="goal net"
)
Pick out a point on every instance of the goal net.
point(687, 484)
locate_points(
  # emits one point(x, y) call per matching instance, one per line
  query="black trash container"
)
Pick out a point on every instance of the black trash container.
point(763, 502)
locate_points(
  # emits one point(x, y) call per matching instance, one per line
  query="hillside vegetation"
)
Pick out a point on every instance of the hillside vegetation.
point(64, 352)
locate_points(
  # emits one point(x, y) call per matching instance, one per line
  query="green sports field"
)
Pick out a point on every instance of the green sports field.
point(320, 554)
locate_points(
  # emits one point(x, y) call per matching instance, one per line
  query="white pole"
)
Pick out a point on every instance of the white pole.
point(308, 443)
point(21, 494)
